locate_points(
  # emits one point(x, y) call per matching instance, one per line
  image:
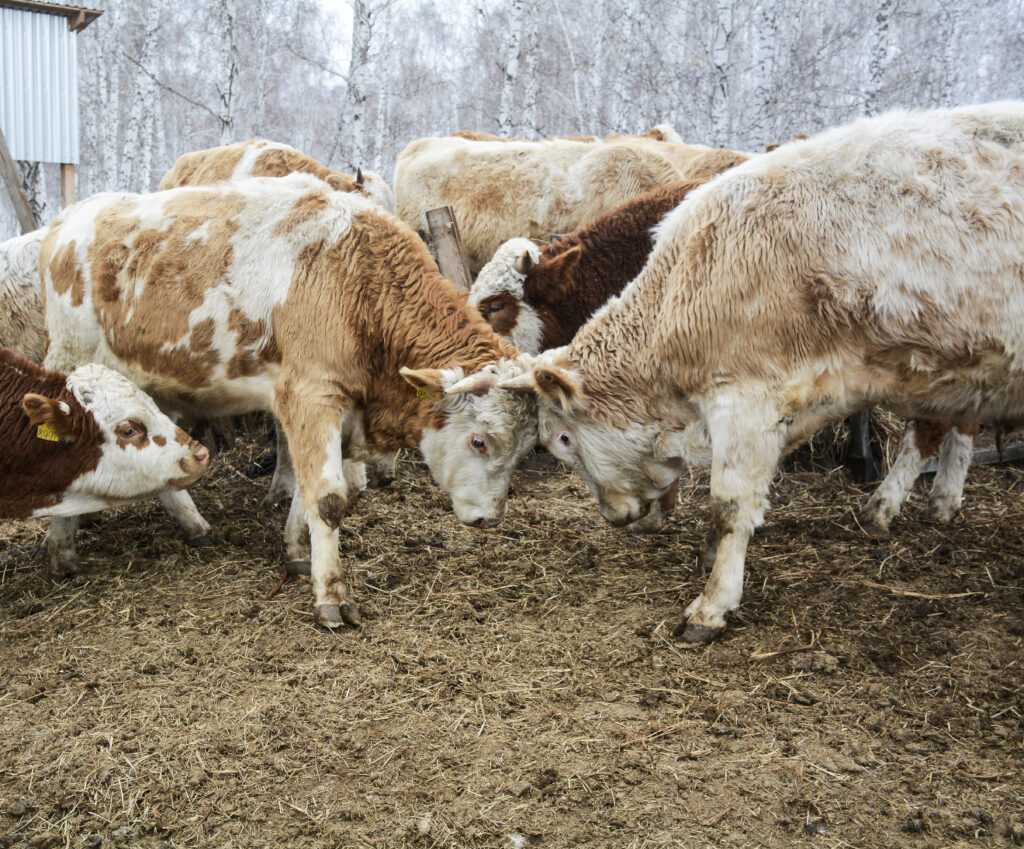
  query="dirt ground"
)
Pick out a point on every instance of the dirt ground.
point(519, 686)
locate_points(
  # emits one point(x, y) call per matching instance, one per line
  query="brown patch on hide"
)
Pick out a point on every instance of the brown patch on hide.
point(202, 167)
point(66, 273)
point(148, 282)
point(501, 311)
point(160, 441)
point(929, 433)
point(305, 209)
point(253, 346)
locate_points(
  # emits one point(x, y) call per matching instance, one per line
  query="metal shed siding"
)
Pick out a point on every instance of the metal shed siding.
point(38, 86)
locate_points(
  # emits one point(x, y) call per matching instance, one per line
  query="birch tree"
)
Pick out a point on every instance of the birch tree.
point(227, 29)
point(531, 91)
point(138, 135)
point(510, 68)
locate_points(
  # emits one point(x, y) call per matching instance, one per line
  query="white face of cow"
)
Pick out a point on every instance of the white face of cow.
point(499, 292)
point(141, 450)
point(486, 432)
point(626, 469)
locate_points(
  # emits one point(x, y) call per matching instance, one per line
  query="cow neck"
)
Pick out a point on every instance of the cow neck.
point(614, 250)
point(35, 472)
point(623, 376)
point(421, 321)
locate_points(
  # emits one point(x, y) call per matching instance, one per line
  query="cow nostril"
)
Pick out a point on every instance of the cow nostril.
point(480, 523)
point(201, 453)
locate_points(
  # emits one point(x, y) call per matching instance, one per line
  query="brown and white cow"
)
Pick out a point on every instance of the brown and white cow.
point(503, 189)
point(878, 263)
point(286, 296)
point(539, 299)
point(22, 326)
point(76, 443)
point(265, 158)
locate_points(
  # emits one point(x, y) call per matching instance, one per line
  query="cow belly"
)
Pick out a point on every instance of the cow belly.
point(224, 398)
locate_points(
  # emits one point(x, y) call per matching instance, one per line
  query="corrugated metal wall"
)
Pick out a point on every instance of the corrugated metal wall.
point(38, 86)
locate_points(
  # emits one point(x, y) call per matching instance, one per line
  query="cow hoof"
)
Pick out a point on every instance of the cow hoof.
point(333, 616)
point(204, 541)
point(696, 635)
point(298, 568)
point(873, 527)
point(61, 570)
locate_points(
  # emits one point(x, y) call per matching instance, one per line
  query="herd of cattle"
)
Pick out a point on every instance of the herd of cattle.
point(686, 305)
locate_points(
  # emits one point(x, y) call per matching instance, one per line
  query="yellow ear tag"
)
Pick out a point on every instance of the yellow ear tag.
point(47, 433)
point(424, 392)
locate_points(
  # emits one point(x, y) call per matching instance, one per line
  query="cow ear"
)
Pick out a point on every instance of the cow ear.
point(423, 378)
point(524, 262)
point(359, 178)
point(479, 383)
point(557, 385)
point(46, 411)
point(567, 261)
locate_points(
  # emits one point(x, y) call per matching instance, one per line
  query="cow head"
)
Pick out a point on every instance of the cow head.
point(141, 451)
point(478, 437)
point(518, 291)
point(376, 188)
point(628, 469)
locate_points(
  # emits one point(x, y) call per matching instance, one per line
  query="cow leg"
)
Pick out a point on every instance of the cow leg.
point(60, 547)
point(921, 440)
point(381, 470)
point(183, 510)
point(314, 430)
point(282, 484)
point(954, 460)
point(746, 444)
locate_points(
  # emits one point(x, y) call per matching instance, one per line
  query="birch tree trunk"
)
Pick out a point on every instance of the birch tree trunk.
point(879, 56)
point(110, 88)
point(510, 70)
point(531, 91)
point(353, 119)
point(573, 65)
point(138, 133)
point(227, 23)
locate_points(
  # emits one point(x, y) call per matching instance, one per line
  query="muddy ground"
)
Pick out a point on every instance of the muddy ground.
point(519, 686)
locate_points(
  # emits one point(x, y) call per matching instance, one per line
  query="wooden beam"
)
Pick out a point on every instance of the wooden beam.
point(860, 456)
point(78, 17)
point(986, 457)
point(12, 177)
point(67, 185)
point(446, 244)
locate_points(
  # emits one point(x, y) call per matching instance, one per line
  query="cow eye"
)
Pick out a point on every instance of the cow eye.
point(129, 429)
point(478, 444)
point(563, 437)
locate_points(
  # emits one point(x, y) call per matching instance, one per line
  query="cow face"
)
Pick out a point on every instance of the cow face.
point(141, 449)
point(498, 293)
point(483, 433)
point(626, 469)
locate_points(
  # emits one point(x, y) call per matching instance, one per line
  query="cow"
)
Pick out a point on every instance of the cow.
point(81, 442)
point(874, 264)
point(503, 189)
point(265, 158)
point(285, 296)
point(539, 298)
point(22, 326)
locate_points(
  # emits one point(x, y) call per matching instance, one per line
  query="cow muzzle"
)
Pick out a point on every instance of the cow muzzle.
point(195, 465)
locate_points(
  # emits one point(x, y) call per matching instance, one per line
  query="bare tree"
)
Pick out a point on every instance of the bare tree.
point(510, 68)
point(138, 134)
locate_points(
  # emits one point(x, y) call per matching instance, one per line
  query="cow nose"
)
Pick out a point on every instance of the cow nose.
point(480, 523)
point(200, 453)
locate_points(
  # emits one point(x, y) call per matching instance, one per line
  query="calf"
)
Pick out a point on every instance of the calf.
point(875, 264)
point(83, 442)
point(286, 296)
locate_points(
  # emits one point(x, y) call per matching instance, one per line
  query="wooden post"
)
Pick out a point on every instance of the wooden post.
point(446, 244)
point(67, 185)
point(860, 456)
point(12, 177)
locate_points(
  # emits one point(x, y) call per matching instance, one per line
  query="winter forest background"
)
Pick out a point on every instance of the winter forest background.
point(351, 82)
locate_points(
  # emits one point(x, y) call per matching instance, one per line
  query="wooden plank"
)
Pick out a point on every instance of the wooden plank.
point(446, 242)
point(985, 457)
point(11, 175)
point(860, 456)
point(67, 185)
